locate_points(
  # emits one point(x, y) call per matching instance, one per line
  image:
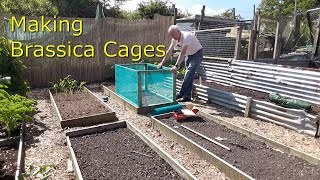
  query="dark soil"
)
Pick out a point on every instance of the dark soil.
point(250, 156)
point(4, 134)
point(119, 154)
point(8, 162)
point(233, 89)
point(78, 105)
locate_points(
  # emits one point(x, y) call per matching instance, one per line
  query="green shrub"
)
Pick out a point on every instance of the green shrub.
point(14, 108)
point(67, 85)
point(14, 68)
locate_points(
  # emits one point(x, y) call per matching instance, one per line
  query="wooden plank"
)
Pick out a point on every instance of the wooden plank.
point(123, 124)
point(277, 46)
point(216, 161)
point(21, 153)
point(205, 137)
point(74, 160)
point(248, 106)
point(55, 106)
point(109, 116)
point(164, 155)
point(238, 43)
point(9, 141)
point(96, 129)
point(256, 43)
point(251, 45)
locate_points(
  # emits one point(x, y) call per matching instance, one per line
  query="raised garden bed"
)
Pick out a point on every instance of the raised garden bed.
point(109, 90)
point(8, 141)
point(120, 151)
point(233, 89)
point(250, 156)
point(81, 109)
point(12, 154)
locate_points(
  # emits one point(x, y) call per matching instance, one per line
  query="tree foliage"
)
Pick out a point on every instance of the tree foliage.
point(63, 8)
point(147, 9)
point(228, 14)
point(29, 7)
point(279, 9)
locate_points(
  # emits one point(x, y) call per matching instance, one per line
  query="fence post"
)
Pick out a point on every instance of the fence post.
point(251, 46)
point(238, 43)
point(277, 46)
point(317, 135)
point(248, 107)
point(256, 44)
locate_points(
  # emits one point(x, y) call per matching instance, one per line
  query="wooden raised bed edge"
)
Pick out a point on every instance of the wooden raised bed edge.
point(131, 107)
point(269, 142)
point(21, 153)
point(86, 120)
point(17, 141)
point(121, 124)
point(223, 166)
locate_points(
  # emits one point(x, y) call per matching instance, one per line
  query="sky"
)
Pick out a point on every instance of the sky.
point(213, 7)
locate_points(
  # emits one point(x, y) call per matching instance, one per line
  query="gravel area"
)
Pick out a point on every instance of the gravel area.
point(45, 139)
point(302, 142)
point(198, 167)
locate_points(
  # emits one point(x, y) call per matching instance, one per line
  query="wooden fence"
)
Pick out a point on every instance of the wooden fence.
point(43, 70)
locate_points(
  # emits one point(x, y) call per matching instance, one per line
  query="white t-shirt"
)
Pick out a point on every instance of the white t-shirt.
point(187, 38)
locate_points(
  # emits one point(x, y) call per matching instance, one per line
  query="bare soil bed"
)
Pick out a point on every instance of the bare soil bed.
point(233, 89)
point(78, 105)
point(119, 154)
point(8, 162)
point(250, 156)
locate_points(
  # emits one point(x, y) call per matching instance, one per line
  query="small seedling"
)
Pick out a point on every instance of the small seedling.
point(42, 172)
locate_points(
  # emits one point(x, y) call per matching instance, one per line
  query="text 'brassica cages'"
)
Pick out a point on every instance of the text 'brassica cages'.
point(144, 85)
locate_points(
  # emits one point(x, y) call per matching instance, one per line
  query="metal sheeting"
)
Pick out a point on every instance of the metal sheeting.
point(293, 83)
point(297, 120)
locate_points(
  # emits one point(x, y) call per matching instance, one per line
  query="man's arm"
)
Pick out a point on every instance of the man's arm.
point(181, 56)
point(168, 54)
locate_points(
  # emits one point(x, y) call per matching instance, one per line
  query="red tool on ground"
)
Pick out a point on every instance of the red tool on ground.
point(182, 114)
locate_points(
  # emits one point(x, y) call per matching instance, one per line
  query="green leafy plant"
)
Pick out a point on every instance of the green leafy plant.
point(42, 172)
point(14, 108)
point(14, 68)
point(67, 85)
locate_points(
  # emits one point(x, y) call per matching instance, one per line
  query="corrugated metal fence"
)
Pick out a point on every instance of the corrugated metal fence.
point(297, 120)
point(291, 82)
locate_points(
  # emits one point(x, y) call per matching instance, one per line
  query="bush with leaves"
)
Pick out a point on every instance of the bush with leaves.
point(14, 108)
point(14, 68)
point(67, 85)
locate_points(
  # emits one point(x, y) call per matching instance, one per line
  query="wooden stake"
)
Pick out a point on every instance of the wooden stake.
point(248, 106)
point(205, 137)
point(256, 44)
point(238, 43)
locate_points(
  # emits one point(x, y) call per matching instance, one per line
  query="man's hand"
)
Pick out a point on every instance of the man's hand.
point(159, 65)
point(174, 69)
